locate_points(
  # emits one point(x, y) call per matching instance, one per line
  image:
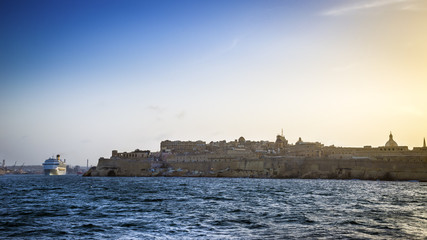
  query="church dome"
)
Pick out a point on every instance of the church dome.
point(391, 142)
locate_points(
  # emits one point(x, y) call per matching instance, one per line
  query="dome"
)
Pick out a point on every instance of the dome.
point(391, 142)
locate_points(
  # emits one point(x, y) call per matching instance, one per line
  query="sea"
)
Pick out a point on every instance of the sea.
point(76, 207)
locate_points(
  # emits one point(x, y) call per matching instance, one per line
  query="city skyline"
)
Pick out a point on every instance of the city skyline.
point(80, 78)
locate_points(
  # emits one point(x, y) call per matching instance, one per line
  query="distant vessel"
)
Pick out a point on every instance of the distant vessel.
point(54, 166)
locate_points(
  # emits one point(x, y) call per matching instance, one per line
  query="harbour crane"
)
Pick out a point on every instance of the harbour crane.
point(20, 169)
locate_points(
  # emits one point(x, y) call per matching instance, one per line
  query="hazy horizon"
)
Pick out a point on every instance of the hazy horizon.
point(81, 78)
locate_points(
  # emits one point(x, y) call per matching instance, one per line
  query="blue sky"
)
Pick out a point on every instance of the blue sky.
point(82, 78)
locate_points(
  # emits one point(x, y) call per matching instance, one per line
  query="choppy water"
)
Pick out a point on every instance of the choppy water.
point(73, 207)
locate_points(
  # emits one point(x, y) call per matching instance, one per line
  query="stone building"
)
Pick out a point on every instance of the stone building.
point(220, 146)
point(200, 151)
point(281, 143)
point(183, 146)
point(305, 149)
point(135, 154)
point(423, 148)
point(390, 148)
point(391, 145)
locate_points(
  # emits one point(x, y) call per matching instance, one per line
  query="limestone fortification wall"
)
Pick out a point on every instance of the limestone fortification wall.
point(121, 167)
point(373, 168)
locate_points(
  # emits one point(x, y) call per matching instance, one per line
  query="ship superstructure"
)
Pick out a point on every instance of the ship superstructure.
point(54, 166)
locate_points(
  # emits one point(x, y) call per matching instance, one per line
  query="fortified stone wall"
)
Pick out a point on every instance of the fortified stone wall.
point(372, 168)
point(122, 167)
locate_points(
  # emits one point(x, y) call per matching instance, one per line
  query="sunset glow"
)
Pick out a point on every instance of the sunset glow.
point(81, 78)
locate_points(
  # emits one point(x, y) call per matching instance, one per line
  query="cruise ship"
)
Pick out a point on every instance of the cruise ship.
point(54, 166)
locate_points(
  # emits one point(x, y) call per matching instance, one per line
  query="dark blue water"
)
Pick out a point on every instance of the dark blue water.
point(73, 207)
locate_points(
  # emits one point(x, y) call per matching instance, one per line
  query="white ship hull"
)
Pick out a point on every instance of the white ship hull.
point(57, 171)
point(54, 166)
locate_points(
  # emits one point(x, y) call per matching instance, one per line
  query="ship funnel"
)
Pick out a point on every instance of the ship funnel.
point(58, 157)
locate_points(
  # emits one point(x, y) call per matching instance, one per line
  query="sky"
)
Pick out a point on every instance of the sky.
point(83, 77)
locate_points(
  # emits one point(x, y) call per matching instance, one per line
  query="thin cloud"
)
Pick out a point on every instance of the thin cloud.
point(412, 8)
point(219, 52)
point(156, 108)
point(366, 5)
point(158, 112)
point(233, 45)
point(181, 115)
